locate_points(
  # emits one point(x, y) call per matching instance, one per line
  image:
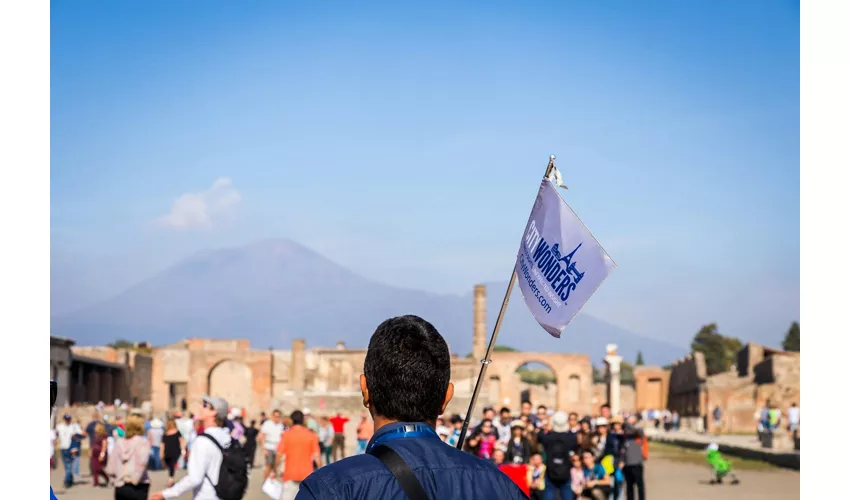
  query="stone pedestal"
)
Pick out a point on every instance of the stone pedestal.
point(612, 360)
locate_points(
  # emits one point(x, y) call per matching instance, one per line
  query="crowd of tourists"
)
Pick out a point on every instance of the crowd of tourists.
point(551, 454)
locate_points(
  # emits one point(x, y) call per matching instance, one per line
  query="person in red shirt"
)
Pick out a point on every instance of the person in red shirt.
point(338, 444)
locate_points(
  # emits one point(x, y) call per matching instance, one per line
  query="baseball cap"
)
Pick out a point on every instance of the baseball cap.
point(306, 411)
point(218, 404)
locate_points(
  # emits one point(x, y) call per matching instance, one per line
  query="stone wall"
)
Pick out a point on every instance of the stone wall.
point(687, 378)
point(652, 387)
point(60, 366)
point(628, 398)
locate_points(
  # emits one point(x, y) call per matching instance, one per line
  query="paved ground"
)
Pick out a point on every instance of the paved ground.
point(670, 475)
point(782, 442)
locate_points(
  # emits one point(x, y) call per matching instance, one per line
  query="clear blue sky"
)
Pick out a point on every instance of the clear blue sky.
point(407, 143)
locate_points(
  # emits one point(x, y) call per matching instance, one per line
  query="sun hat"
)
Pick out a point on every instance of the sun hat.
point(560, 422)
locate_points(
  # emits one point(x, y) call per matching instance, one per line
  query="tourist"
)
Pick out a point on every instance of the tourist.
point(457, 425)
point(338, 445)
point(53, 437)
point(586, 438)
point(197, 429)
point(65, 432)
point(557, 445)
point(793, 420)
point(405, 385)
point(572, 419)
point(519, 446)
point(270, 433)
point(128, 463)
point(155, 434)
point(237, 430)
point(633, 457)
point(525, 411)
point(310, 421)
point(77, 450)
point(250, 447)
point(90, 430)
point(483, 443)
point(326, 437)
point(173, 448)
point(537, 477)
point(541, 418)
point(299, 451)
point(208, 452)
point(597, 483)
point(98, 452)
point(364, 432)
point(717, 416)
point(498, 457)
point(577, 479)
point(675, 420)
point(503, 425)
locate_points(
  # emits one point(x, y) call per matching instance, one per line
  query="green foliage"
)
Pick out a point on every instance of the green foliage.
point(719, 351)
point(536, 377)
point(627, 374)
point(792, 338)
point(121, 344)
point(639, 361)
point(504, 348)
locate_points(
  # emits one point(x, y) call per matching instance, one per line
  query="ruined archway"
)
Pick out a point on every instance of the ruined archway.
point(537, 383)
point(231, 380)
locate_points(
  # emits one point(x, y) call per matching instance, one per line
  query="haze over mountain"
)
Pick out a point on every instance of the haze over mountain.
point(274, 291)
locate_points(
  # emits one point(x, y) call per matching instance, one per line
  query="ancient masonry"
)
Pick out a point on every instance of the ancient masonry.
point(326, 380)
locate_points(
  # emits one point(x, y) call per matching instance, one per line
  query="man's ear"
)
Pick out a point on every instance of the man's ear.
point(450, 392)
point(364, 390)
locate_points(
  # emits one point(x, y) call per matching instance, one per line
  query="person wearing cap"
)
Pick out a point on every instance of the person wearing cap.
point(310, 421)
point(558, 444)
point(155, 434)
point(66, 431)
point(518, 446)
point(205, 460)
point(405, 386)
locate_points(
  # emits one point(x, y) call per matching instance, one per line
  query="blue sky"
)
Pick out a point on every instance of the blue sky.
point(407, 143)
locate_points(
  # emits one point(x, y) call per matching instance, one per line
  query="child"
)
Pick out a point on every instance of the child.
point(719, 465)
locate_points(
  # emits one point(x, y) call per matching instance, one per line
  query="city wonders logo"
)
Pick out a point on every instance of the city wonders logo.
point(544, 261)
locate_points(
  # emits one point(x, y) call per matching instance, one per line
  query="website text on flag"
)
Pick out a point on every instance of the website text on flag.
point(560, 265)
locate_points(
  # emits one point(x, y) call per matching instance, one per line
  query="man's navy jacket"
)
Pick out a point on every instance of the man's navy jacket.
point(444, 472)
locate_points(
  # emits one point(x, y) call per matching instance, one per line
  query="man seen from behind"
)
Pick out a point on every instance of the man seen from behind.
point(405, 386)
point(298, 450)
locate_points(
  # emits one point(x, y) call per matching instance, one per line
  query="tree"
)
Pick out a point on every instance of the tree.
point(121, 344)
point(504, 348)
point(639, 361)
point(719, 351)
point(792, 338)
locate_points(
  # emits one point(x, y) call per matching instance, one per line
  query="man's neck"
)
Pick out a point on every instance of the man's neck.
point(380, 422)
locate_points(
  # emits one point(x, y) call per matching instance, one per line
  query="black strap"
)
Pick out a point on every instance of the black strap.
point(401, 471)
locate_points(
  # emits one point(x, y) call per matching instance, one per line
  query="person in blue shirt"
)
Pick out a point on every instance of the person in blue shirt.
point(405, 386)
point(597, 483)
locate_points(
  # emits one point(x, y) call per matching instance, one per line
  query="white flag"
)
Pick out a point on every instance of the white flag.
point(559, 264)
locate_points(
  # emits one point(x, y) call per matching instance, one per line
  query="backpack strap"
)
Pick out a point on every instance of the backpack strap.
point(401, 471)
point(219, 449)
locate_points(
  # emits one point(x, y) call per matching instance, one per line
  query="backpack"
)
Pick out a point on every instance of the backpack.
point(233, 474)
point(558, 461)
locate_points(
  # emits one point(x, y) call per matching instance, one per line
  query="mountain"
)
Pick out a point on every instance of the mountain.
point(277, 290)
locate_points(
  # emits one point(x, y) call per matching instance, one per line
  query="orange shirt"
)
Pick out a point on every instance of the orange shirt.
point(298, 444)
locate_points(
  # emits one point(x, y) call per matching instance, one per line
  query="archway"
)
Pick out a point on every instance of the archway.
point(537, 383)
point(231, 380)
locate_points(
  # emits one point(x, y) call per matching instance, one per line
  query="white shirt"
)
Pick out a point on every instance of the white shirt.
point(271, 434)
point(204, 462)
point(793, 415)
point(65, 433)
point(52, 442)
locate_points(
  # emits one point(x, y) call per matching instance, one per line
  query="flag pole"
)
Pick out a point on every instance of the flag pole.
point(486, 361)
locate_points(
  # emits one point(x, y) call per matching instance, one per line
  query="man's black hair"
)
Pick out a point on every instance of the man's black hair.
point(504, 409)
point(297, 417)
point(407, 370)
point(606, 405)
point(542, 407)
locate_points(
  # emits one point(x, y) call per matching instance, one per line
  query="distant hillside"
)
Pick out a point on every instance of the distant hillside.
point(276, 290)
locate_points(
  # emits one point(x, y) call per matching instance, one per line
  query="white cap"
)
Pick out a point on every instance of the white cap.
point(306, 411)
point(713, 447)
point(560, 422)
point(601, 421)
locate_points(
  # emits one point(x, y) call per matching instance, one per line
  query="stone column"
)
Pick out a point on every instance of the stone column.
point(299, 364)
point(479, 323)
point(613, 361)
